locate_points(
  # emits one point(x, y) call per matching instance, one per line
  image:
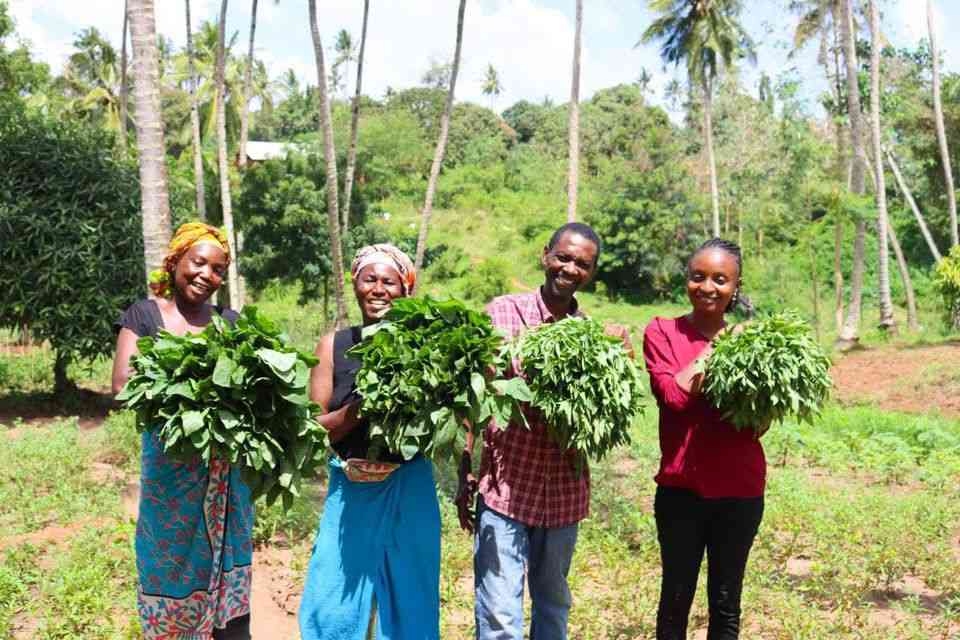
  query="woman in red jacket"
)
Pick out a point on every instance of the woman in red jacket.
point(711, 479)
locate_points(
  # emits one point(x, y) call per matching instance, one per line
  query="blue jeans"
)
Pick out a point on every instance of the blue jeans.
point(503, 547)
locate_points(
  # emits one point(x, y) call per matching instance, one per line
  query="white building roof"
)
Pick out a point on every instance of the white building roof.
point(259, 151)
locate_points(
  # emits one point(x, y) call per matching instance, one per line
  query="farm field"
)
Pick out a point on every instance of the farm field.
point(859, 539)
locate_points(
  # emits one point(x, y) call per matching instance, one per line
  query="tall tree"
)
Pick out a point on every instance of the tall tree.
point(941, 131)
point(441, 143)
point(330, 156)
point(491, 85)
point(123, 81)
point(346, 53)
point(908, 196)
point(887, 321)
point(573, 127)
point(354, 125)
point(247, 83)
point(153, 169)
point(223, 163)
point(707, 35)
point(849, 333)
point(198, 179)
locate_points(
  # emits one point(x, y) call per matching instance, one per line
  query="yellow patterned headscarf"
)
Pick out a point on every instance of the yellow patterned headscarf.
point(188, 235)
point(392, 257)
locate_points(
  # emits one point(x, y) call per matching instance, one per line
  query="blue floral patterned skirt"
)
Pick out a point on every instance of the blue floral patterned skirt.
point(193, 544)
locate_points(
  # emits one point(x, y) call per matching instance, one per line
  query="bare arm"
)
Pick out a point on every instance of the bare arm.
point(126, 349)
point(690, 378)
point(338, 423)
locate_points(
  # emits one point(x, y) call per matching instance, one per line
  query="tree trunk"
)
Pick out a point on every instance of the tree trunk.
point(330, 155)
point(441, 144)
point(247, 88)
point(573, 171)
point(711, 160)
point(198, 178)
point(941, 132)
point(838, 272)
point(123, 83)
point(153, 169)
point(849, 334)
point(236, 302)
point(354, 126)
point(921, 222)
point(841, 169)
point(887, 321)
point(912, 322)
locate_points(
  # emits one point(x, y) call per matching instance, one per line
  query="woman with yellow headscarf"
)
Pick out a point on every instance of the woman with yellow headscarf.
point(193, 543)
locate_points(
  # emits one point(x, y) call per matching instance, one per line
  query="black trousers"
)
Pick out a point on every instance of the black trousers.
point(236, 629)
point(688, 525)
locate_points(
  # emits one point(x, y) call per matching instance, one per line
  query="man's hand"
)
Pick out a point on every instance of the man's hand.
point(466, 494)
point(622, 332)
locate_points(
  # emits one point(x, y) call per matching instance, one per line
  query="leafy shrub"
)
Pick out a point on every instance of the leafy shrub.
point(487, 280)
point(71, 242)
point(947, 283)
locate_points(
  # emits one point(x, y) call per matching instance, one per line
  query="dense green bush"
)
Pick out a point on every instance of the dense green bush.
point(487, 280)
point(71, 244)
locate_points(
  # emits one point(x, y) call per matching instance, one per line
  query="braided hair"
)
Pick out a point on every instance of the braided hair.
point(738, 301)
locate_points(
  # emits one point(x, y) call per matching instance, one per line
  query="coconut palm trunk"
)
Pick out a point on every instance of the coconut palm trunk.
point(233, 280)
point(441, 144)
point(330, 155)
point(912, 322)
point(354, 126)
point(573, 170)
point(155, 201)
point(908, 196)
point(887, 321)
point(849, 333)
point(941, 131)
point(123, 82)
point(198, 179)
point(247, 84)
point(711, 159)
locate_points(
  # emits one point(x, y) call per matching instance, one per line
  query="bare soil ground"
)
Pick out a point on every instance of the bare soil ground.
point(913, 379)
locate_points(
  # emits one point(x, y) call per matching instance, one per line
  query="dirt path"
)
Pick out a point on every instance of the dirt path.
point(913, 379)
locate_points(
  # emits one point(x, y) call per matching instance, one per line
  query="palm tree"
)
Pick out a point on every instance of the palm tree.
point(573, 127)
point(91, 81)
point(908, 196)
point(153, 168)
point(491, 85)
point(887, 321)
point(345, 54)
point(848, 335)
point(330, 155)
point(643, 80)
point(441, 143)
point(247, 81)
point(354, 125)
point(198, 179)
point(941, 132)
point(224, 166)
point(123, 82)
point(707, 36)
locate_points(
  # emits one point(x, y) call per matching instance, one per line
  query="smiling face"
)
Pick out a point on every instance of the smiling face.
point(376, 287)
point(713, 277)
point(569, 265)
point(200, 273)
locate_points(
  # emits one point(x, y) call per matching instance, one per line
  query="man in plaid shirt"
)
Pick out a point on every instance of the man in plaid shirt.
point(531, 497)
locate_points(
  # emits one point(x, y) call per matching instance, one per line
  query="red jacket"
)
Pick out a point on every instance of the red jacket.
point(699, 450)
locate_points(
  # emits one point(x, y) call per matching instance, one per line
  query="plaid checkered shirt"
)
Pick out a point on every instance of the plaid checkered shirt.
point(523, 474)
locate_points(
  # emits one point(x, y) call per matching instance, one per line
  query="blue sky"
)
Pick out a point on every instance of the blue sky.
point(528, 41)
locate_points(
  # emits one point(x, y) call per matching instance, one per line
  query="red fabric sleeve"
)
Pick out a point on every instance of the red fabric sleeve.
point(662, 367)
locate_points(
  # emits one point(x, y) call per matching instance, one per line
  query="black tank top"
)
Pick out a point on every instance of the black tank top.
point(357, 442)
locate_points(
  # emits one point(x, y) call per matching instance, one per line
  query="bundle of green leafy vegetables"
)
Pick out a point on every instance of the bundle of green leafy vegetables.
point(428, 368)
point(771, 368)
point(582, 380)
point(237, 393)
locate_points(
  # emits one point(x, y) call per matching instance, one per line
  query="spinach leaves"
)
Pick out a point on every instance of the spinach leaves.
point(237, 393)
point(428, 367)
point(583, 382)
point(770, 369)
